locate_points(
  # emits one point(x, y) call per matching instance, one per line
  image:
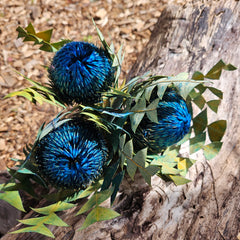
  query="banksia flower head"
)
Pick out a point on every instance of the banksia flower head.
point(79, 72)
point(173, 124)
point(72, 155)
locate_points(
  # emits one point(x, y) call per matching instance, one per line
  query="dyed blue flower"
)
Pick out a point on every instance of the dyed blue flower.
point(79, 72)
point(173, 124)
point(72, 155)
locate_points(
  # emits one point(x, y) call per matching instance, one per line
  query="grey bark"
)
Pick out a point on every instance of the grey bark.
point(186, 38)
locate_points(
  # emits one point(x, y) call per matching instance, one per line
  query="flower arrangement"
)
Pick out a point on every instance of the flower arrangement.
point(107, 129)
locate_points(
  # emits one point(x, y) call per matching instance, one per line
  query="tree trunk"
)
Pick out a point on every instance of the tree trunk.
point(186, 38)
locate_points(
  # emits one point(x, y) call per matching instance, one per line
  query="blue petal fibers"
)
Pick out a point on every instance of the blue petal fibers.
point(79, 72)
point(72, 156)
point(173, 124)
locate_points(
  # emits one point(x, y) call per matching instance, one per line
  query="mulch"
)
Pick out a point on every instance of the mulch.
point(123, 22)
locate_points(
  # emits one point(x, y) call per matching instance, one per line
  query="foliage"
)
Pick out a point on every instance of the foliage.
point(118, 115)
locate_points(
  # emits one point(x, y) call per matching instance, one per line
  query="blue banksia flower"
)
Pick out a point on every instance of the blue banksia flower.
point(173, 124)
point(72, 155)
point(79, 72)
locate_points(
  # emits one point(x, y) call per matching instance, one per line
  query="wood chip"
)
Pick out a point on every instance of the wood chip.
point(121, 22)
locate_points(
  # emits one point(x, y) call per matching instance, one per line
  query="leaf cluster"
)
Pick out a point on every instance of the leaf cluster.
point(118, 115)
point(40, 38)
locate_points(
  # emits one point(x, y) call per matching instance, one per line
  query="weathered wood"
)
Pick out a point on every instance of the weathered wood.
point(186, 38)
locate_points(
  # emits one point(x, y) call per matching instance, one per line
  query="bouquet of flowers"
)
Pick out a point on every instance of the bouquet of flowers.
point(107, 129)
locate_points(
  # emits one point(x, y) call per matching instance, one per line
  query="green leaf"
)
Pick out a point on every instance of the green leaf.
point(56, 207)
point(21, 93)
point(140, 158)
point(127, 151)
point(36, 93)
point(216, 92)
point(197, 142)
point(92, 188)
point(45, 35)
point(152, 111)
point(12, 197)
point(183, 84)
point(131, 167)
point(199, 101)
point(201, 88)
point(214, 104)
point(179, 180)
point(193, 94)
point(116, 183)
point(148, 172)
point(96, 199)
point(229, 67)
point(43, 38)
point(139, 112)
point(136, 118)
point(168, 169)
point(184, 164)
point(139, 96)
point(140, 161)
point(161, 89)
point(51, 219)
point(38, 229)
point(148, 92)
point(216, 70)
point(30, 29)
point(197, 76)
point(211, 150)
point(200, 122)
point(66, 195)
point(109, 173)
point(99, 214)
point(216, 130)
point(180, 76)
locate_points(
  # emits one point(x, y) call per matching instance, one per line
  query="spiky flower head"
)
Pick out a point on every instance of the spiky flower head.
point(72, 155)
point(173, 124)
point(79, 72)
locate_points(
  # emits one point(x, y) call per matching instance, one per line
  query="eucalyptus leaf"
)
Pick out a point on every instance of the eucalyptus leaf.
point(216, 130)
point(43, 38)
point(139, 112)
point(216, 92)
point(197, 76)
point(197, 142)
point(99, 214)
point(148, 172)
point(96, 199)
point(199, 101)
point(12, 197)
point(42, 229)
point(140, 158)
point(148, 93)
point(213, 105)
point(211, 150)
point(56, 207)
point(92, 188)
point(161, 89)
point(116, 183)
point(216, 70)
point(127, 151)
point(179, 180)
point(131, 167)
point(152, 111)
point(51, 219)
point(108, 176)
point(200, 122)
point(184, 164)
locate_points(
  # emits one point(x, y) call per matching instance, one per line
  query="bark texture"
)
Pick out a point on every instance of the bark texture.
point(186, 38)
